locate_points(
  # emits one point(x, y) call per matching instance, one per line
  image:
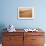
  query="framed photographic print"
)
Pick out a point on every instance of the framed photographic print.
point(25, 13)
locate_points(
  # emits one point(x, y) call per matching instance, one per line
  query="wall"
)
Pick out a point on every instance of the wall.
point(8, 13)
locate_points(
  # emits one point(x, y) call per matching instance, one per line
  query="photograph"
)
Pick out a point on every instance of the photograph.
point(25, 13)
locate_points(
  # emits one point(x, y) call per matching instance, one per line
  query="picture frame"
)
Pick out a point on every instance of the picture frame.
point(25, 13)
